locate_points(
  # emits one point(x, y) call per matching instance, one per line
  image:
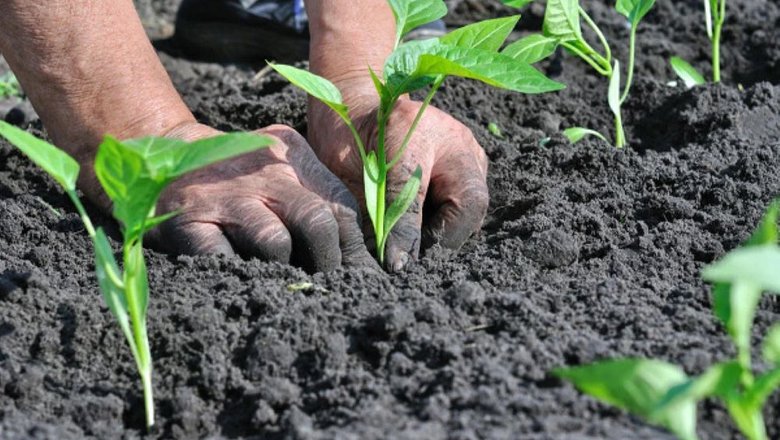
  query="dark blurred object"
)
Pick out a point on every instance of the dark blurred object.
point(251, 30)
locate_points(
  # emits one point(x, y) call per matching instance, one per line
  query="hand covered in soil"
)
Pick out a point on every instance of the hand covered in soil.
point(453, 188)
point(279, 203)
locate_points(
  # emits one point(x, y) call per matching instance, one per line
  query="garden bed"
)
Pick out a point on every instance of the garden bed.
point(587, 253)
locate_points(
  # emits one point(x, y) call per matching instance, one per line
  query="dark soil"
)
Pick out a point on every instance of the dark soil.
point(587, 253)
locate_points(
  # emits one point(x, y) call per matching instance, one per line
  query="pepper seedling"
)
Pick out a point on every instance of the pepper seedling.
point(469, 52)
point(714, 17)
point(562, 27)
point(9, 86)
point(663, 394)
point(133, 174)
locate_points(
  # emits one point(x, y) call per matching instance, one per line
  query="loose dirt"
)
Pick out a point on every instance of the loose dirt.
point(587, 253)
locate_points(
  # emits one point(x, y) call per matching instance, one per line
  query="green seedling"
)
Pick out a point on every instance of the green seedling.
point(469, 52)
point(9, 86)
point(663, 394)
point(133, 174)
point(687, 73)
point(562, 27)
point(714, 17)
point(495, 130)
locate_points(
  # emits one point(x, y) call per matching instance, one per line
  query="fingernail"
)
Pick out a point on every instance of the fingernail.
point(400, 262)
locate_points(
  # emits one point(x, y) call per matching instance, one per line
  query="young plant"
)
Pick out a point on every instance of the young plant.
point(133, 174)
point(663, 394)
point(9, 86)
point(468, 52)
point(714, 17)
point(562, 27)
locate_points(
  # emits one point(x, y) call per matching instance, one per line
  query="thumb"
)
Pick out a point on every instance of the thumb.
point(403, 243)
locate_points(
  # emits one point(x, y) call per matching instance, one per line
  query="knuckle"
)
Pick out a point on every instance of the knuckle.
point(477, 199)
point(287, 135)
point(316, 219)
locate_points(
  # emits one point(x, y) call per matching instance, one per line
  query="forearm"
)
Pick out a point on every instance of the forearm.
point(348, 36)
point(89, 70)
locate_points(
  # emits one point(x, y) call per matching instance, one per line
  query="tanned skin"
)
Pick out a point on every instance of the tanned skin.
point(90, 70)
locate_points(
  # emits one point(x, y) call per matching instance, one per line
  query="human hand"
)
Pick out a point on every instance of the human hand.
point(453, 188)
point(278, 204)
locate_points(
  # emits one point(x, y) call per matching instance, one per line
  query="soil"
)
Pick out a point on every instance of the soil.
point(587, 253)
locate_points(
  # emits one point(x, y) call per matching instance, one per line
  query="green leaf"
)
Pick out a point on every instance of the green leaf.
point(122, 173)
point(638, 386)
point(687, 73)
point(382, 90)
point(370, 185)
point(771, 348)
point(314, 85)
point(576, 134)
point(410, 14)
point(516, 3)
point(562, 20)
point(753, 265)
point(762, 388)
point(749, 420)
point(153, 222)
point(402, 201)
point(110, 281)
point(719, 380)
point(58, 164)
point(735, 305)
point(400, 66)
point(613, 95)
point(419, 64)
point(166, 158)
point(493, 69)
point(634, 10)
point(531, 49)
point(486, 35)
point(494, 129)
point(136, 280)
point(766, 232)
point(708, 17)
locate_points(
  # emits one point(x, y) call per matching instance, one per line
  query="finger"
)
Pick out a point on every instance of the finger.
point(403, 243)
point(255, 231)
point(315, 177)
point(459, 196)
point(312, 226)
point(193, 238)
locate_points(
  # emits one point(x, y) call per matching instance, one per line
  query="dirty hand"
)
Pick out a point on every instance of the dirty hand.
point(453, 188)
point(278, 203)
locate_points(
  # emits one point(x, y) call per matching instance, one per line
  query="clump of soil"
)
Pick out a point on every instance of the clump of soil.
point(587, 253)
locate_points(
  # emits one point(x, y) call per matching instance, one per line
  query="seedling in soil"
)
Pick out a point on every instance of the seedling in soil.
point(663, 394)
point(468, 52)
point(562, 27)
point(133, 174)
point(495, 130)
point(687, 73)
point(714, 17)
point(9, 86)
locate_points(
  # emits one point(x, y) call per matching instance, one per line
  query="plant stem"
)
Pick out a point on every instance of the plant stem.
point(719, 20)
point(146, 382)
point(593, 63)
point(439, 80)
point(716, 52)
point(82, 213)
point(631, 58)
point(381, 187)
point(138, 321)
point(358, 141)
point(598, 32)
point(620, 136)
